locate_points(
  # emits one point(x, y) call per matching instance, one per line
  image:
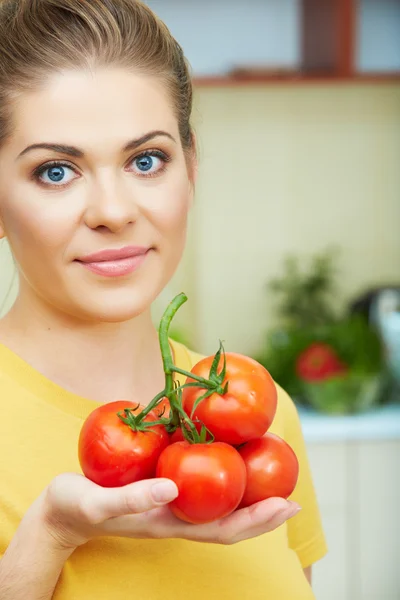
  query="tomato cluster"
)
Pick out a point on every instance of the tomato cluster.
point(211, 439)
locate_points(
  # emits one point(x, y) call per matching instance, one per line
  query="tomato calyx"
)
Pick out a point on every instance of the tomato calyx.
point(215, 382)
point(191, 432)
point(136, 422)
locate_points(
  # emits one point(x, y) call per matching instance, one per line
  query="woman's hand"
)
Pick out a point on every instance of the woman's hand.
point(76, 510)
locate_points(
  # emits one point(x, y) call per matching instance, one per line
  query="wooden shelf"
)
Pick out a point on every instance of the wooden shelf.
point(301, 78)
point(328, 40)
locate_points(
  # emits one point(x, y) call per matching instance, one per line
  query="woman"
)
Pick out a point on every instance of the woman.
point(97, 169)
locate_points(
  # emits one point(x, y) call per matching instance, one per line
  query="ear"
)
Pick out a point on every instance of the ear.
point(2, 232)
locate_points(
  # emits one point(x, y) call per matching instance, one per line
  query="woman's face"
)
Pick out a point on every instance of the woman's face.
point(94, 193)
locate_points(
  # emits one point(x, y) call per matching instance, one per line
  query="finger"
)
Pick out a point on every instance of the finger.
point(106, 503)
point(242, 524)
point(264, 527)
point(263, 516)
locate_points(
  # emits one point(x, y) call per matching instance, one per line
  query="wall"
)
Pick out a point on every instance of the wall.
point(291, 169)
point(8, 278)
point(217, 36)
point(378, 46)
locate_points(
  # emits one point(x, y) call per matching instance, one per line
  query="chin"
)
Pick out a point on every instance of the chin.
point(117, 307)
point(113, 301)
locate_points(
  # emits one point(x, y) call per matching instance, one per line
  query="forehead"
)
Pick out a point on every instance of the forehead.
point(86, 109)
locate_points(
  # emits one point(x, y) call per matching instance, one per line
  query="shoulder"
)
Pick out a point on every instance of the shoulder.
point(184, 357)
point(286, 405)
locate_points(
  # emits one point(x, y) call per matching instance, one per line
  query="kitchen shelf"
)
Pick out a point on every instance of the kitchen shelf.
point(287, 42)
point(300, 79)
point(382, 423)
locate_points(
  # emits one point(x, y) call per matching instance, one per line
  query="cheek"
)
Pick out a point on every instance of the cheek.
point(170, 218)
point(40, 229)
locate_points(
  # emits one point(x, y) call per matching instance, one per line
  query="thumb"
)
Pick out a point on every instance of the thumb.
point(138, 497)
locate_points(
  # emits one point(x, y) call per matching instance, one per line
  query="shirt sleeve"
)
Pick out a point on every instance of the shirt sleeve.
point(305, 532)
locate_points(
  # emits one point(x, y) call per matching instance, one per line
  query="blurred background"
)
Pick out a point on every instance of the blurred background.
point(293, 254)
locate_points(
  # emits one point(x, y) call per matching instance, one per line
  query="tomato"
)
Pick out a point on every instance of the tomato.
point(163, 408)
point(177, 436)
point(245, 411)
point(211, 479)
point(111, 454)
point(272, 469)
point(319, 362)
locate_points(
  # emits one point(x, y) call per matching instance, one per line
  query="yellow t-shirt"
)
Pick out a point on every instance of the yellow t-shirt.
point(39, 428)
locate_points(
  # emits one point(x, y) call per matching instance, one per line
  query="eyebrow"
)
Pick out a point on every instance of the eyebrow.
point(78, 153)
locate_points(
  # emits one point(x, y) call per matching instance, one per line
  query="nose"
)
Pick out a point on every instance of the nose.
point(111, 205)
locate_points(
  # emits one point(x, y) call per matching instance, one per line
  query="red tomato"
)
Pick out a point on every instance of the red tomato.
point(177, 436)
point(111, 454)
point(272, 469)
point(246, 411)
point(319, 362)
point(163, 408)
point(211, 479)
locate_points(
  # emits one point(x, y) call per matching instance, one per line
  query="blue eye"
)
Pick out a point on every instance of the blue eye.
point(150, 163)
point(56, 174)
point(144, 163)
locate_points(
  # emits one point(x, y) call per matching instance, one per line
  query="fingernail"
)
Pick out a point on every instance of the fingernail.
point(164, 492)
point(295, 507)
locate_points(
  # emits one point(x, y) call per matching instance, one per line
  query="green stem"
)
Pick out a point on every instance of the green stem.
point(150, 406)
point(168, 315)
point(190, 425)
point(208, 384)
point(168, 362)
point(170, 391)
point(167, 358)
point(205, 382)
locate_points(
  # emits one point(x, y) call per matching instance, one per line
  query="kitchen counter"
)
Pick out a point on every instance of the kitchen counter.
point(382, 423)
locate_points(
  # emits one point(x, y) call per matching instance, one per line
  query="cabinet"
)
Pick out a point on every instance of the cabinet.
point(331, 575)
point(378, 533)
point(358, 487)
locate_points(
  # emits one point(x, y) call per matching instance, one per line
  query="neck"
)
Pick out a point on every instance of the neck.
point(101, 361)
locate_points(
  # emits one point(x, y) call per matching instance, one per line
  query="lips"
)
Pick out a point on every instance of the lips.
point(115, 262)
point(114, 254)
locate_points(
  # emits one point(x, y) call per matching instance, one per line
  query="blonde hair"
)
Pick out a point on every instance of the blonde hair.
point(41, 37)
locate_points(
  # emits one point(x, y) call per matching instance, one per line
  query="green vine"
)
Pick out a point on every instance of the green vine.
point(178, 418)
